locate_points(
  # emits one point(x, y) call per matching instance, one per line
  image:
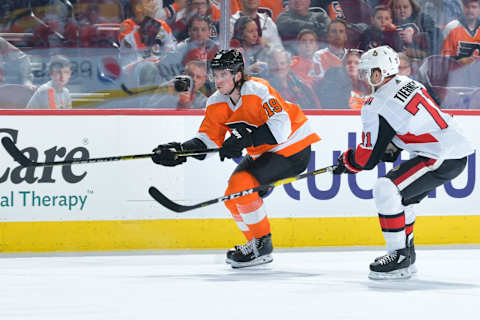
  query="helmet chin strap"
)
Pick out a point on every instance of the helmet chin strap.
point(373, 85)
point(235, 83)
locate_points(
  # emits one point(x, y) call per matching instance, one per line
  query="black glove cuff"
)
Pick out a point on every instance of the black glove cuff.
point(195, 144)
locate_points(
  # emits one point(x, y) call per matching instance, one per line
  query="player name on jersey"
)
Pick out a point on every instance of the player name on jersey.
point(406, 91)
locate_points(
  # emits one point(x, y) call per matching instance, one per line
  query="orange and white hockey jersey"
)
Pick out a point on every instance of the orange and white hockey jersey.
point(324, 59)
point(132, 47)
point(259, 104)
point(459, 41)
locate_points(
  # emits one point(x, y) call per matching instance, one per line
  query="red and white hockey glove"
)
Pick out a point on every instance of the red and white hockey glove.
point(344, 165)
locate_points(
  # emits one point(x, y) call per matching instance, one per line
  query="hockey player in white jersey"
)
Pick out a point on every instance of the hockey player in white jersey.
point(401, 115)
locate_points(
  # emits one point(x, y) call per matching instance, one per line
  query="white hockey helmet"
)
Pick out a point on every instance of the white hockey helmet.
point(383, 58)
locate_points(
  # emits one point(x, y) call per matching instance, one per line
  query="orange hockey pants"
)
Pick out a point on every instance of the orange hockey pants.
point(247, 211)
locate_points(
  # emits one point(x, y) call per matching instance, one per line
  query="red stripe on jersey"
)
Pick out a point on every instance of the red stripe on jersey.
point(409, 229)
point(414, 170)
point(362, 155)
point(411, 138)
point(394, 222)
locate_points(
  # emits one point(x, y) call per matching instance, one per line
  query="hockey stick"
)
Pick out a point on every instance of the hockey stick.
point(164, 201)
point(19, 157)
point(181, 83)
point(141, 91)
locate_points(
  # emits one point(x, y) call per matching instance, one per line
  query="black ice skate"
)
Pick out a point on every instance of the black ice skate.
point(413, 256)
point(253, 253)
point(230, 252)
point(391, 266)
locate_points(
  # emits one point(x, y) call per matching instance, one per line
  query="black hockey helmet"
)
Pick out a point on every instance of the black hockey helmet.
point(231, 59)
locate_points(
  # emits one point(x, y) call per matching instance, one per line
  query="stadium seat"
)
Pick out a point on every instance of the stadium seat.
point(14, 96)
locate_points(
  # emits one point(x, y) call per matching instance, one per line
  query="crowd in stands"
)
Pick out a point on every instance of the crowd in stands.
point(308, 50)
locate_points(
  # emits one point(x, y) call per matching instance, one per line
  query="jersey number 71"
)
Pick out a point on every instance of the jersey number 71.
point(418, 99)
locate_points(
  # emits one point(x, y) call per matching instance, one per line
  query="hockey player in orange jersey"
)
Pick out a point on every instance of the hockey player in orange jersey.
point(276, 134)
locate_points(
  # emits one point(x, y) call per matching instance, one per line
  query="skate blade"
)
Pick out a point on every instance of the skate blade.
point(397, 274)
point(255, 262)
point(228, 261)
point(413, 269)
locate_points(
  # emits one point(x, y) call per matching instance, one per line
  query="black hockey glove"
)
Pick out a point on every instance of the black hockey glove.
point(165, 154)
point(340, 168)
point(343, 165)
point(391, 153)
point(239, 139)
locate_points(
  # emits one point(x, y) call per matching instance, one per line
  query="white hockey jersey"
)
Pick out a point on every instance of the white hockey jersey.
point(402, 112)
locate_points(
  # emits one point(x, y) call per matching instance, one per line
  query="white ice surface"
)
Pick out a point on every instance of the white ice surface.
point(321, 284)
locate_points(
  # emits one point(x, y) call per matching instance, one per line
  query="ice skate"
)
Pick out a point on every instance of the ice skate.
point(231, 251)
point(413, 256)
point(253, 253)
point(411, 247)
point(394, 265)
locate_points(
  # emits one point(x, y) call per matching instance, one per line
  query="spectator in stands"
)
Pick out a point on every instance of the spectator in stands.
point(142, 35)
point(54, 94)
point(194, 99)
point(334, 53)
point(302, 65)
point(198, 46)
point(144, 41)
point(341, 87)
point(266, 28)
point(417, 31)
point(247, 40)
point(382, 31)
point(332, 8)
point(179, 21)
point(16, 64)
point(273, 7)
point(287, 83)
point(168, 11)
point(462, 36)
point(359, 90)
point(298, 17)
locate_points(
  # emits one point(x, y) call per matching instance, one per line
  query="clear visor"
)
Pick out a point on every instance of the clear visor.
point(215, 75)
point(364, 74)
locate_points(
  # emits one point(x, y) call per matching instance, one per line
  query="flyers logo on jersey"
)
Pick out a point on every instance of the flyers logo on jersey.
point(467, 49)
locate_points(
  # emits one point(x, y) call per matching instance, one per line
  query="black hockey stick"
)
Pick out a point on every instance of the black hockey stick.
point(19, 157)
point(164, 201)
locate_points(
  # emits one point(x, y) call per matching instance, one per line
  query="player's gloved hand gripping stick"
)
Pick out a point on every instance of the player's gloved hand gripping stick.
point(19, 157)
